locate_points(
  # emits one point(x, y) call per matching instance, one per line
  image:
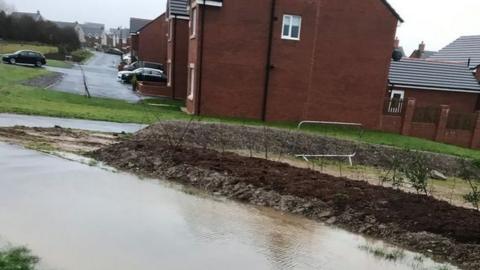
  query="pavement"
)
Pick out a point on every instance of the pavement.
point(10, 120)
point(101, 77)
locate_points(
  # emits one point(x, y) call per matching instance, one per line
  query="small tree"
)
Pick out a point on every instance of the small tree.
point(394, 174)
point(17, 259)
point(469, 174)
point(417, 172)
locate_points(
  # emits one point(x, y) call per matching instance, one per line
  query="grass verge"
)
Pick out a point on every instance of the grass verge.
point(11, 47)
point(17, 98)
point(59, 64)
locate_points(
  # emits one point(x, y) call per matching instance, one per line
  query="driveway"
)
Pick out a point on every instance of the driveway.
point(101, 78)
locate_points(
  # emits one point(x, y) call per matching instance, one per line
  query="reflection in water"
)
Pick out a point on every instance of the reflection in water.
point(81, 218)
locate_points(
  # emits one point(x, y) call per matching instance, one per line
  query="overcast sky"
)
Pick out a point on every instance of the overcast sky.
point(437, 22)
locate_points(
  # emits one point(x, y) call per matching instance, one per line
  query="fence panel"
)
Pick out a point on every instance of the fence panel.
point(462, 121)
point(426, 114)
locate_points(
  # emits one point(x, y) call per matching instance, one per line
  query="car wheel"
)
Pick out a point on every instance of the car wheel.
point(12, 61)
point(38, 64)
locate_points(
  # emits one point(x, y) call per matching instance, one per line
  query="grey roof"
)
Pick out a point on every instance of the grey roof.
point(64, 24)
point(461, 50)
point(178, 8)
point(36, 16)
point(137, 24)
point(433, 74)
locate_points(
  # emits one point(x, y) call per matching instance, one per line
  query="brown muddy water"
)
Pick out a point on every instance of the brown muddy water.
point(78, 217)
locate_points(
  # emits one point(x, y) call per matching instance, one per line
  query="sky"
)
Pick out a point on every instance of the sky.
point(436, 22)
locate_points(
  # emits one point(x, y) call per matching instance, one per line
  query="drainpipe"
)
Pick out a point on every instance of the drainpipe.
point(269, 66)
point(200, 65)
point(174, 52)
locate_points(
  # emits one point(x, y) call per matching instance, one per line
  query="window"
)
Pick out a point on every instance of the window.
point(169, 73)
point(396, 101)
point(291, 27)
point(191, 79)
point(193, 23)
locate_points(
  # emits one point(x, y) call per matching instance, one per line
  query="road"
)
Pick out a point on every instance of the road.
point(10, 120)
point(101, 78)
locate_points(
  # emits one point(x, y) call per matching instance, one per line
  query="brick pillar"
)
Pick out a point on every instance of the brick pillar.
point(475, 143)
point(408, 116)
point(442, 123)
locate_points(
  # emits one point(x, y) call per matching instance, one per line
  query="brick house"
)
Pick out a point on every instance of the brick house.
point(290, 60)
point(433, 100)
point(177, 47)
point(152, 41)
point(135, 25)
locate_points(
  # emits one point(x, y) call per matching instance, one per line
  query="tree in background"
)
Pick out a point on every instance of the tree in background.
point(7, 8)
point(28, 30)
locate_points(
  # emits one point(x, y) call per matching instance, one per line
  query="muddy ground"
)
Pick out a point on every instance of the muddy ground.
point(288, 142)
point(417, 222)
point(58, 139)
point(44, 81)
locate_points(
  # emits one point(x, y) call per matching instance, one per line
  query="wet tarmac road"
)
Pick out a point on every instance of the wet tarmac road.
point(101, 77)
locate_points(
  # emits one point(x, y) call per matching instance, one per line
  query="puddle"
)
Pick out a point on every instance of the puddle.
point(78, 217)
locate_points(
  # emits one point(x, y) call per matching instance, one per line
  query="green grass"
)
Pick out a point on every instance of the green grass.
point(59, 64)
point(11, 47)
point(17, 98)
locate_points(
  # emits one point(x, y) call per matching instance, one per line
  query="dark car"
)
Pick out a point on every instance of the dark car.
point(143, 64)
point(144, 74)
point(114, 51)
point(25, 57)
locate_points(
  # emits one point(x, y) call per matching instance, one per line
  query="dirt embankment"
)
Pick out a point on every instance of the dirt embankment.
point(289, 142)
point(44, 81)
point(417, 222)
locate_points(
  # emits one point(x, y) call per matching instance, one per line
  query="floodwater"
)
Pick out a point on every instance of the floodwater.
point(77, 217)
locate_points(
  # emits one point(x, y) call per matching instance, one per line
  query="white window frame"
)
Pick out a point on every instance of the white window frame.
point(191, 81)
point(399, 108)
point(290, 18)
point(193, 22)
point(169, 74)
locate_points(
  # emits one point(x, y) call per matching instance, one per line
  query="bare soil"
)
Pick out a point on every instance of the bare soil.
point(417, 222)
point(44, 81)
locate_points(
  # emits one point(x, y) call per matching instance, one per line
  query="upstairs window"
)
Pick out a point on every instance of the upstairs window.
point(292, 25)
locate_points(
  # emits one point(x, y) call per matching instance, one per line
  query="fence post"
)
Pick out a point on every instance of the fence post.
point(475, 143)
point(408, 116)
point(442, 123)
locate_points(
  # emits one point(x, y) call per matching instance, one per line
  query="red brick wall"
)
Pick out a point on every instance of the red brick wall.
point(152, 41)
point(134, 45)
point(337, 71)
point(177, 54)
point(458, 102)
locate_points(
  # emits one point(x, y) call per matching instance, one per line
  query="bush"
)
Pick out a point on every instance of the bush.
point(417, 172)
point(81, 55)
point(17, 259)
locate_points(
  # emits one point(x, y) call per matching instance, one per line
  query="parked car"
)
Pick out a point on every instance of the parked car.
point(143, 64)
point(143, 74)
point(25, 57)
point(114, 51)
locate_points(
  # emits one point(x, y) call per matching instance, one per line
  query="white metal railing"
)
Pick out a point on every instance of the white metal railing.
point(348, 156)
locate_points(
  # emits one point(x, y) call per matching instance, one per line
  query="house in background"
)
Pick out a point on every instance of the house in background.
point(290, 60)
point(76, 26)
point(178, 17)
point(95, 34)
point(433, 100)
point(433, 83)
point(152, 41)
point(35, 16)
point(421, 53)
point(119, 37)
point(135, 25)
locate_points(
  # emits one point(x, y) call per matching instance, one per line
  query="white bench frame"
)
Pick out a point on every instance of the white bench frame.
point(349, 156)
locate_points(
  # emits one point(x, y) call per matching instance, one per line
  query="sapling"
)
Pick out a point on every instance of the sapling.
point(470, 175)
point(417, 172)
point(394, 173)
